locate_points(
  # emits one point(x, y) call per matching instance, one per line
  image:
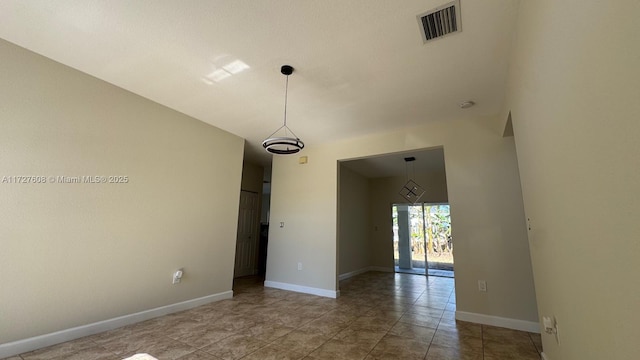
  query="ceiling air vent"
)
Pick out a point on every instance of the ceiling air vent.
point(441, 21)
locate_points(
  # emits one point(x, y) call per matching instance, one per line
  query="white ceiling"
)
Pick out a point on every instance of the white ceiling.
point(361, 65)
point(426, 161)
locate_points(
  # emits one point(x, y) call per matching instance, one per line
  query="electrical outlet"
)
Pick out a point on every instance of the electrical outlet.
point(299, 266)
point(482, 285)
point(551, 327)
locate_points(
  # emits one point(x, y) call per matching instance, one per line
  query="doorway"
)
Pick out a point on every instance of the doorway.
point(367, 189)
point(246, 262)
point(422, 242)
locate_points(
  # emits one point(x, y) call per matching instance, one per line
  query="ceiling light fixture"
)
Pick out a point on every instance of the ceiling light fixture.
point(411, 191)
point(466, 104)
point(284, 145)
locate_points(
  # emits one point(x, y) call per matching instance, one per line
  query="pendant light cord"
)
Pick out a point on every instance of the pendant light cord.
point(413, 168)
point(286, 97)
point(406, 168)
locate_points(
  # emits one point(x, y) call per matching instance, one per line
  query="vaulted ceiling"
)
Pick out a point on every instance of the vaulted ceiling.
point(361, 65)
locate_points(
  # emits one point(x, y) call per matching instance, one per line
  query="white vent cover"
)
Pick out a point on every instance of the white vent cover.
point(441, 21)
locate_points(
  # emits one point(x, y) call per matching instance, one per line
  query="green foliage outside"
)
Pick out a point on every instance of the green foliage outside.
point(435, 220)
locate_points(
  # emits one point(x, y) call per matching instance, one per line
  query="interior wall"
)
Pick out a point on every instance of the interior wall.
point(252, 175)
point(78, 253)
point(384, 192)
point(354, 222)
point(265, 208)
point(483, 187)
point(252, 180)
point(574, 90)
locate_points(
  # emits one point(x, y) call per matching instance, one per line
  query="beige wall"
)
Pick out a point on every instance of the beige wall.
point(354, 214)
point(252, 177)
point(486, 204)
point(384, 193)
point(265, 208)
point(303, 196)
point(73, 254)
point(574, 90)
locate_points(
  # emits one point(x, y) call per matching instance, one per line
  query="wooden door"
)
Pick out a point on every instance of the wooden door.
point(247, 240)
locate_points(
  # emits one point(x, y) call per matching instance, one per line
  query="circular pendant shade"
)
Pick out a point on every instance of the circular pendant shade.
point(283, 145)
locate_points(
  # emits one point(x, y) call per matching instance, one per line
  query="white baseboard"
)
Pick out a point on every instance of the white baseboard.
point(508, 323)
point(37, 342)
point(302, 289)
point(352, 273)
point(364, 270)
point(544, 356)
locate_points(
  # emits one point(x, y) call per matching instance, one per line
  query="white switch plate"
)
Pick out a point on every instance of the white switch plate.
point(299, 266)
point(549, 327)
point(177, 276)
point(482, 285)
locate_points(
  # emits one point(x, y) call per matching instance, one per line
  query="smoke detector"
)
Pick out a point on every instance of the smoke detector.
point(466, 104)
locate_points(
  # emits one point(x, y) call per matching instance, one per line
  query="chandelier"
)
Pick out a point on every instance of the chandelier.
point(286, 144)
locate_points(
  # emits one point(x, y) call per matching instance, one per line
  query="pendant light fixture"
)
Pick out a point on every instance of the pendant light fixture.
point(411, 191)
point(284, 145)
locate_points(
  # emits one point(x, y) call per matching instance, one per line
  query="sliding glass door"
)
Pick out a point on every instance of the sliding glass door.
point(422, 242)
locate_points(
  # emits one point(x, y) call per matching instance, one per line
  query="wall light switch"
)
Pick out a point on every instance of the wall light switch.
point(482, 285)
point(299, 266)
point(281, 224)
point(177, 276)
point(551, 327)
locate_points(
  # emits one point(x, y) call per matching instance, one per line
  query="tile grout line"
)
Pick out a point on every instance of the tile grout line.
point(534, 344)
point(482, 337)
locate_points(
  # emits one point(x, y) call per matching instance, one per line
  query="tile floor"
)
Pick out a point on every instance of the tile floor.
point(377, 316)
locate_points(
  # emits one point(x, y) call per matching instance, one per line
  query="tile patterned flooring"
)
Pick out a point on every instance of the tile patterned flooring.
point(377, 316)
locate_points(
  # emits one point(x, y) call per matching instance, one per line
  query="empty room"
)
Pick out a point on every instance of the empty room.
point(363, 179)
